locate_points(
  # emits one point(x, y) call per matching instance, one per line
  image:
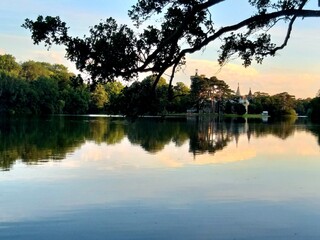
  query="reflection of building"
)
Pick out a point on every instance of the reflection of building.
point(244, 100)
point(242, 128)
point(211, 136)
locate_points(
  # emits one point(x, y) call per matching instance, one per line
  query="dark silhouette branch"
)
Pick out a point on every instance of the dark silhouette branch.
point(174, 68)
point(161, 49)
point(179, 30)
point(247, 22)
point(288, 35)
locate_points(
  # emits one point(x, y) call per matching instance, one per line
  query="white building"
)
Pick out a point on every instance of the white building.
point(244, 100)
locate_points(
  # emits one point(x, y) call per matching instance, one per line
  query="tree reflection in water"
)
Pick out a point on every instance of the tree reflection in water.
point(38, 140)
point(210, 136)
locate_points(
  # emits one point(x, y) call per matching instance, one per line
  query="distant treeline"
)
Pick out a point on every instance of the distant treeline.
point(43, 88)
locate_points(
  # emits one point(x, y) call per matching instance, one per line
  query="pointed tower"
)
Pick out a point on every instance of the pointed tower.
point(250, 96)
point(195, 76)
point(238, 91)
point(236, 137)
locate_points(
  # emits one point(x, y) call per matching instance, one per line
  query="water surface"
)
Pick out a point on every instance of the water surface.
point(108, 178)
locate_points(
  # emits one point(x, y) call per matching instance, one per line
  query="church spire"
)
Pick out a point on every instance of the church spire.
point(250, 94)
point(238, 91)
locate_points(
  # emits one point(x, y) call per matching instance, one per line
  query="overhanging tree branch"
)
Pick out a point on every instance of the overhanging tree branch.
point(269, 16)
point(114, 50)
point(290, 26)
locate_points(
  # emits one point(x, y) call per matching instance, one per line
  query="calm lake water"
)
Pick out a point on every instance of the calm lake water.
point(94, 178)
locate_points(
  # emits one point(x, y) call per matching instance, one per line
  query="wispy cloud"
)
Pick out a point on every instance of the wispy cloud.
point(271, 78)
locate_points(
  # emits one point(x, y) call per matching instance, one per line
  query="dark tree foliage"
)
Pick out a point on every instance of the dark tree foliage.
point(40, 88)
point(112, 50)
point(9, 65)
point(315, 112)
point(240, 109)
point(213, 89)
point(137, 100)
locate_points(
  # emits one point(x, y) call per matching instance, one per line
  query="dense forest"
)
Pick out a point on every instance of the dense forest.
point(41, 88)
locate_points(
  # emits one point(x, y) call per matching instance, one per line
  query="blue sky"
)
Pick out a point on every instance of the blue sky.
point(295, 69)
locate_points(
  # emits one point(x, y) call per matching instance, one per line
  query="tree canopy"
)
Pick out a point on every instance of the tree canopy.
point(114, 50)
point(9, 65)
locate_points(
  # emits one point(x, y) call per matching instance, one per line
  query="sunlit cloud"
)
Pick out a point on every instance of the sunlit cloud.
point(299, 84)
point(231, 73)
point(295, 69)
point(269, 79)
